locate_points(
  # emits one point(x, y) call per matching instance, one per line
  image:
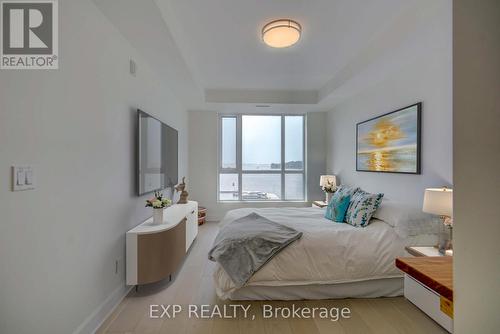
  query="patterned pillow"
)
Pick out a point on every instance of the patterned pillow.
point(362, 207)
point(339, 203)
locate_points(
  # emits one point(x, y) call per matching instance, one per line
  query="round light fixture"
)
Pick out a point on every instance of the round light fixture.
point(281, 33)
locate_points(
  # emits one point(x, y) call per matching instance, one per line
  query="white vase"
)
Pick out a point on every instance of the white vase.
point(158, 216)
point(328, 197)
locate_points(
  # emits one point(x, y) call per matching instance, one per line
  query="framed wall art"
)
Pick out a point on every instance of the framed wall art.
point(390, 143)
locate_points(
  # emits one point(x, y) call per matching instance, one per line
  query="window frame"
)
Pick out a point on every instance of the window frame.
point(239, 159)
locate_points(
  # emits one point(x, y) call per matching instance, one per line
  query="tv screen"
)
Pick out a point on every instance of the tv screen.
point(157, 159)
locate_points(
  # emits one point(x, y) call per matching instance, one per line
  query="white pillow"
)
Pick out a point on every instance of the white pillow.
point(407, 220)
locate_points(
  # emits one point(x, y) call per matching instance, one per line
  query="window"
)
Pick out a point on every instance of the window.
point(261, 158)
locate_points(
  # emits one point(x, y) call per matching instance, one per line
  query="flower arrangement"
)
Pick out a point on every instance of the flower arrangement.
point(158, 201)
point(330, 187)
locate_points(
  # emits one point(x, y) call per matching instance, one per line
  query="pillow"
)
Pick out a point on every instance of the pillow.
point(362, 207)
point(339, 203)
point(406, 220)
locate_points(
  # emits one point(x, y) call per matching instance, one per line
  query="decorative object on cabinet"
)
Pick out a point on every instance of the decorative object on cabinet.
point(158, 203)
point(181, 187)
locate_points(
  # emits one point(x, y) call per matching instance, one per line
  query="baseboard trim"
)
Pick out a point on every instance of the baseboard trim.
point(213, 218)
point(100, 314)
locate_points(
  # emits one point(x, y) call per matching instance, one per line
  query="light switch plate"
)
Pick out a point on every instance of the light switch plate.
point(23, 178)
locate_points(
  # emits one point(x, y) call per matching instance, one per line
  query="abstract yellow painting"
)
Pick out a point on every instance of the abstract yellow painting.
point(390, 142)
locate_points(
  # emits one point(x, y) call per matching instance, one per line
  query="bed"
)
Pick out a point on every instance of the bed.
point(330, 260)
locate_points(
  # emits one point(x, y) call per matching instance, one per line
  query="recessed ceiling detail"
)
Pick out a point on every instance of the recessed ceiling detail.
point(261, 96)
point(281, 33)
point(214, 62)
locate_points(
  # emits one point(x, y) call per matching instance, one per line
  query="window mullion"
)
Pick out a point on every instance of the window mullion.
point(304, 158)
point(239, 149)
point(219, 155)
point(282, 157)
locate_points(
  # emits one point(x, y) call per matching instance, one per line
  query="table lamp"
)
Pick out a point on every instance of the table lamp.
point(329, 184)
point(439, 201)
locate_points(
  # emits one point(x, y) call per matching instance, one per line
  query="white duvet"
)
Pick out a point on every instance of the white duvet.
point(327, 253)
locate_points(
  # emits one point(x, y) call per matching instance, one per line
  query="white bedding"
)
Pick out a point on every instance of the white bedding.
point(327, 253)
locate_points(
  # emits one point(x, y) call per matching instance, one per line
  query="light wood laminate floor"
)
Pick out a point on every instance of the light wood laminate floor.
point(193, 285)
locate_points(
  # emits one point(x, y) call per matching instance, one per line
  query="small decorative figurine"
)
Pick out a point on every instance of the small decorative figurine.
point(181, 187)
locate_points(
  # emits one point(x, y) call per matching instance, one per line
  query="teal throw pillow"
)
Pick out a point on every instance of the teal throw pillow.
point(339, 204)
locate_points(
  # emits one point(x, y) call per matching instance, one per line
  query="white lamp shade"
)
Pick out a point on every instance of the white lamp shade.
point(438, 201)
point(325, 180)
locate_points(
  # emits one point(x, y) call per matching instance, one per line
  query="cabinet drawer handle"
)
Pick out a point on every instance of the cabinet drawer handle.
point(192, 212)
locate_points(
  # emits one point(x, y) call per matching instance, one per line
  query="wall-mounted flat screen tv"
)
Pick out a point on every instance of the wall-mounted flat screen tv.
point(157, 154)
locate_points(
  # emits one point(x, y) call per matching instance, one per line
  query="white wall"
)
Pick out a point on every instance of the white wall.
point(203, 165)
point(418, 71)
point(59, 243)
point(476, 147)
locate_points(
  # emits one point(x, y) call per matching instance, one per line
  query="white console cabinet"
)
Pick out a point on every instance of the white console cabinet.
point(191, 210)
point(155, 251)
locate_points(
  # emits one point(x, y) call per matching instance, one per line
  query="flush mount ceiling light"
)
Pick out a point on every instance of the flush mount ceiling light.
point(281, 33)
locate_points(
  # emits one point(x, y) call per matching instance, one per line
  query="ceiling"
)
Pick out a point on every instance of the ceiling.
point(216, 49)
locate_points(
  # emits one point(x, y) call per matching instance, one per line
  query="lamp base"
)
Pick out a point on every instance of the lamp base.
point(445, 237)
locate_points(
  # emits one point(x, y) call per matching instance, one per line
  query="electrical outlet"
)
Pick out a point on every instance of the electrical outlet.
point(119, 266)
point(133, 67)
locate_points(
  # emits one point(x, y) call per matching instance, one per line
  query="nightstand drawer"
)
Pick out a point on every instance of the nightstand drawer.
point(428, 301)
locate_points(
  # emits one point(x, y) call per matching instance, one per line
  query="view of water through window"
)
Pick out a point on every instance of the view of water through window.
point(266, 140)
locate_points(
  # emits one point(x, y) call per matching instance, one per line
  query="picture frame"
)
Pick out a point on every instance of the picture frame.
point(391, 143)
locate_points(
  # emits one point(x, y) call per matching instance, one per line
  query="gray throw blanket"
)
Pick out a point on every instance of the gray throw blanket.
point(243, 246)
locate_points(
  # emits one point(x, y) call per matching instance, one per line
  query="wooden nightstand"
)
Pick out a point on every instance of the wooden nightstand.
point(428, 284)
point(319, 204)
point(425, 251)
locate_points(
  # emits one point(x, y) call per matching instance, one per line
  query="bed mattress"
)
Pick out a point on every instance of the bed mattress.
point(385, 287)
point(328, 253)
